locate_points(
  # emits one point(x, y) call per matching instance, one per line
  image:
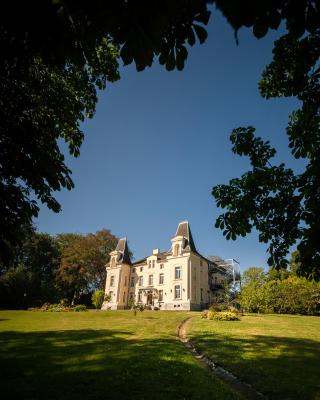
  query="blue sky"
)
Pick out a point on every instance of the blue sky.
point(159, 142)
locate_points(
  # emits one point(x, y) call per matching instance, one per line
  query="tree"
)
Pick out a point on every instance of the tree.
point(55, 55)
point(82, 263)
point(98, 298)
point(251, 296)
point(30, 279)
point(71, 273)
point(283, 206)
point(279, 292)
point(96, 249)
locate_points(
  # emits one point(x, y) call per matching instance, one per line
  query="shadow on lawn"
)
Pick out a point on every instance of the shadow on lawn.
point(281, 367)
point(98, 364)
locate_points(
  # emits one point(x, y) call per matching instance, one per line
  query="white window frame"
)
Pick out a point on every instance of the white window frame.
point(141, 280)
point(150, 280)
point(175, 293)
point(112, 281)
point(160, 295)
point(176, 269)
point(161, 278)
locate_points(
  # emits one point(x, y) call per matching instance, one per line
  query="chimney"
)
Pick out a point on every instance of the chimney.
point(155, 252)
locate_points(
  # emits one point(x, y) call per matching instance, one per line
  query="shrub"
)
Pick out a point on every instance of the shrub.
point(204, 314)
point(98, 298)
point(234, 310)
point(220, 315)
point(80, 307)
point(292, 295)
point(211, 314)
point(55, 307)
point(156, 308)
point(225, 316)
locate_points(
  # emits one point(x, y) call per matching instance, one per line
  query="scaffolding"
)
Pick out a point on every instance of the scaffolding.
point(230, 268)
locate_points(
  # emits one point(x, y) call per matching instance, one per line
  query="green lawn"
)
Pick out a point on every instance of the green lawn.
point(277, 354)
point(100, 355)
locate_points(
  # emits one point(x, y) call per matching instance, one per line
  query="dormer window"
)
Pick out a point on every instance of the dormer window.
point(176, 250)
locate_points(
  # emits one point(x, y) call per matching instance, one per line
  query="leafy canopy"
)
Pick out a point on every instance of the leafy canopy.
point(283, 206)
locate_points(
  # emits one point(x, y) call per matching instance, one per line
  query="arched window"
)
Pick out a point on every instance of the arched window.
point(176, 250)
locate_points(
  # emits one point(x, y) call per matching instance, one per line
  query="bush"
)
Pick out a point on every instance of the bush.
point(211, 314)
point(220, 315)
point(292, 295)
point(98, 298)
point(204, 314)
point(234, 310)
point(55, 307)
point(80, 307)
point(225, 316)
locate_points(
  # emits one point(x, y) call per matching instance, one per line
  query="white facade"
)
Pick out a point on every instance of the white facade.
point(178, 279)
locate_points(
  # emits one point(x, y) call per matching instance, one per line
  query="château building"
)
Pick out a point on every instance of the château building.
point(178, 279)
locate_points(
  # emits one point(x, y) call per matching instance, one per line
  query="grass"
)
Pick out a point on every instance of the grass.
point(100, 355)
point(278, 354)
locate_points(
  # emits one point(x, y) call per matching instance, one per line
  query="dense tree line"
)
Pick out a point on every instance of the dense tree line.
point(47, 268)
point(279, 292)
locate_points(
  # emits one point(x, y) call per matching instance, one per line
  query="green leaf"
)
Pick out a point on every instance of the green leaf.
point(201, 33)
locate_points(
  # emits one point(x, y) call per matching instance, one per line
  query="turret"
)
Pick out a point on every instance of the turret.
point(118, 275)
point(182, 241)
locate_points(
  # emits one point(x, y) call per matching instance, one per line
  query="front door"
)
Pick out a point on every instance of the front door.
point(149, 299)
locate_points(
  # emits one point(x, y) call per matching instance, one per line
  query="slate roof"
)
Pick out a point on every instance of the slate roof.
point(184, 230)
point(124, 256)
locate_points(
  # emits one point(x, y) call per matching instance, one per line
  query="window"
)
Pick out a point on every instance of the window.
point(132, 281)
point(133, 270)
point(112, 280)
point(176, 250)
point(150, 279)
point(177, 292)
point(177, 273)
point(161, 279)
point(131, 296)
point(141, 269)
point(161, 266)
point(149, 263)
point(139, 296)
point(111, 295)
point(124, 297)
point(200, 263)
point(153, 263)
point(160, 295)
point(125, 281)
point(140, 280)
